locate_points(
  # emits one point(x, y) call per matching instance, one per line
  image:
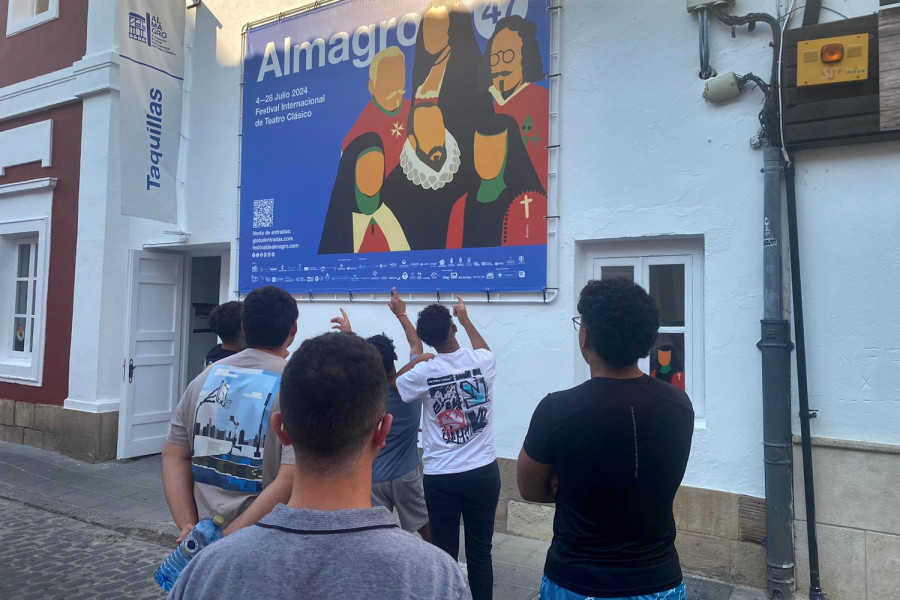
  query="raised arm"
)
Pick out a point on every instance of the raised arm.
point(408, 367)
point(277, 492)
point(462, 315)
point(398, 307)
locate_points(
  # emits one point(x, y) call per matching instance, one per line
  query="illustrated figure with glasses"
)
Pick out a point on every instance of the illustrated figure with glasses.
point(510, 68)
point(611, 453)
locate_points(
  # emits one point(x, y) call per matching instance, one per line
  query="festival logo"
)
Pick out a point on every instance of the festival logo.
point(148, 29)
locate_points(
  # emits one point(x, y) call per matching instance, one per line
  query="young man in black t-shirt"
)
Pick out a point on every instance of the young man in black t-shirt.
point(611, 454)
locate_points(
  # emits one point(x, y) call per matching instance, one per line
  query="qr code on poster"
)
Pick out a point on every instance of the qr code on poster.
point(263, 212)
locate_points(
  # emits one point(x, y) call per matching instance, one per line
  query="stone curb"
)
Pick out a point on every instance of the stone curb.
point(155, 535)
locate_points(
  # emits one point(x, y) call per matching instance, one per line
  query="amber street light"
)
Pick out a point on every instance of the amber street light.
point(832, 53)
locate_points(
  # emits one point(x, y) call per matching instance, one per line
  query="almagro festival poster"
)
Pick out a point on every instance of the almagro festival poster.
point(397, 143)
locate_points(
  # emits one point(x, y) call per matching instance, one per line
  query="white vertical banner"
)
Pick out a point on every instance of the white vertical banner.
point(151, 73)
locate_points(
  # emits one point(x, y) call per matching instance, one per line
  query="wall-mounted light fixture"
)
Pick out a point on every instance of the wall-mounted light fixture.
point(833, 60)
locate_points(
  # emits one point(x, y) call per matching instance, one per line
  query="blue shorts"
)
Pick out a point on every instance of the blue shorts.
point(551, 591)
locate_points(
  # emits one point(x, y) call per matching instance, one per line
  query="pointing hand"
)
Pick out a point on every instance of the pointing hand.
point(342, 323)
point(459, 310)
point(397, 303)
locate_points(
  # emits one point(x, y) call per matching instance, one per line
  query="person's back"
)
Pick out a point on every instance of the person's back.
point(328, 541)
point(400, 454)
point(462, 477)
point(620, 447)
point(251, 378)
point(342, 555)
point(219, 458)
point(611, 454)
point(396, 471)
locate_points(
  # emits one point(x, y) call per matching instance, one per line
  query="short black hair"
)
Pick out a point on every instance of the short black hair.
point(621, 319)
point(225, 321)
point(433, 325)
point(333, 393)
point(268, 315)
point(386, 349)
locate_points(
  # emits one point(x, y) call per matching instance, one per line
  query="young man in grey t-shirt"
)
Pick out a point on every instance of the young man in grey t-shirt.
point(219, 458)
point(328, 542)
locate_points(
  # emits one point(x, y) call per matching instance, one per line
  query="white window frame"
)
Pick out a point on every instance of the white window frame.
point(641, 255)
point(30, 279)
point(20, 25)
point(26, 208)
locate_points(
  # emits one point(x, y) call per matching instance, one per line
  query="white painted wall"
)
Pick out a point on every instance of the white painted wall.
point(642, 155)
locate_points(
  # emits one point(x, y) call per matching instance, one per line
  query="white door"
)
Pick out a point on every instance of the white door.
point(154, 352)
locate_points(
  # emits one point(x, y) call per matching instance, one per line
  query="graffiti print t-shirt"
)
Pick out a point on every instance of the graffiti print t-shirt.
point(224, 418)
point(456, 390)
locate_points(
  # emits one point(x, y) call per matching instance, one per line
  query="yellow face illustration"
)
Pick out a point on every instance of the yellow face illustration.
point(436, 29)
point(370, 173)
point(490, 153)
point(506, 61)
point(665, 357)
point(387, 87)
point(429, 129)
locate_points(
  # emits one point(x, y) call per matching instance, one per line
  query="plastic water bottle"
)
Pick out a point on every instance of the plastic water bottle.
point(205, 533)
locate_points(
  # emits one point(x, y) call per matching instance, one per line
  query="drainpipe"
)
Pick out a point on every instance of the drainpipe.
point(815, 589)
point(776, 347)
point(775, 343)
point(811, 12)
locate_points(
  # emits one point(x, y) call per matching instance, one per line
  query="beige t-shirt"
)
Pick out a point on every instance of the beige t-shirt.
point(223, 417)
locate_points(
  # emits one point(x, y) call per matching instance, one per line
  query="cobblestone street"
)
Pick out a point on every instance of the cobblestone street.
point(95, 530)
point(47, 556)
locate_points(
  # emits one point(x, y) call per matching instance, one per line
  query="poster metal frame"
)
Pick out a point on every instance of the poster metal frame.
point(550, 290)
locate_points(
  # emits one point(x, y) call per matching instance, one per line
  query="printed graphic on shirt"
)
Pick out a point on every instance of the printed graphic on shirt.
point(459, 401)
point(230, 426)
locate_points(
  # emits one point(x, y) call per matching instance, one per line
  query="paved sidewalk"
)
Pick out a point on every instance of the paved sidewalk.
point(43, 555)
point(126, 497)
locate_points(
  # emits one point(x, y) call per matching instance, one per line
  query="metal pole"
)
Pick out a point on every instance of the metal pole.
point(775, 344)
point(776, 347)
point(811, 12)
point(815, 590)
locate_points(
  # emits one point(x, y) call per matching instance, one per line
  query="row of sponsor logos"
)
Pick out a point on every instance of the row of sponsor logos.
point(392, 277)
point(403, 264)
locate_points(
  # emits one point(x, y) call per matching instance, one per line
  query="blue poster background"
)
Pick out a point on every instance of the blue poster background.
point(288, 167)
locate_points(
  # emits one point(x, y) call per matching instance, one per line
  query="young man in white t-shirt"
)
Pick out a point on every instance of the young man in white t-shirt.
point(461, 472)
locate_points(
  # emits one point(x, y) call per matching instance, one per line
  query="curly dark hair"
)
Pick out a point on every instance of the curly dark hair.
point(225, 321)
point(621, 319)
point(532, 64)
point(433, 325)
point(386, 349)
point(268, 314)
point(333, 393)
